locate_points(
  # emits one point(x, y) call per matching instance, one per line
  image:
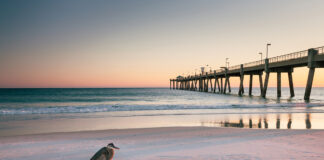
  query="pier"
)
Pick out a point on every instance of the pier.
point(218, 81)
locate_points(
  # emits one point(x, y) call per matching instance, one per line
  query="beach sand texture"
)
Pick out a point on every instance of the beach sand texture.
point(169, 143)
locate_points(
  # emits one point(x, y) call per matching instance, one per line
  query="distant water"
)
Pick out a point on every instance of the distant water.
point(35, 105)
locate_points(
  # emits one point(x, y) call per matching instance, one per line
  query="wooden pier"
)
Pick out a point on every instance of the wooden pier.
point(213, 80)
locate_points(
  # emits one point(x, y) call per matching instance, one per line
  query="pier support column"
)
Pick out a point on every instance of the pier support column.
point(200, 83)
point(311, 66)
point(188, 84)
point(225, 86)
point(211, 85)
point(229, 85)
point(182, 84)
point(291, 85)
point(207, 83)
point(219, 88)
point(204, 85)
point(194, 83)
point(221, 80)
point(278, 84)
point(173, 84)
point(261, 84)
point(215, 85)
point(215, 81)
point(250, 86)
point(170, 84)
point(241, 81)
point(226, 80)
point(266, 80)
point(309, 83)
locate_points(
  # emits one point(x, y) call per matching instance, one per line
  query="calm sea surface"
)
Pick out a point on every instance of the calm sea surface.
point(30, 111)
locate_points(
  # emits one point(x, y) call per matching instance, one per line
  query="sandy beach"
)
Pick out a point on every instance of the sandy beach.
point(169, 143)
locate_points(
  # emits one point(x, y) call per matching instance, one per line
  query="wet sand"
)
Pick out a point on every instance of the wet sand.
point(170, 143)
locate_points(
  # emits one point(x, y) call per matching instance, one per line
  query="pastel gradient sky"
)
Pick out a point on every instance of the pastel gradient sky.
point(144, 43)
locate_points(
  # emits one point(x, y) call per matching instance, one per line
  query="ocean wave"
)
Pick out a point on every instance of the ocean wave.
point(112, 108)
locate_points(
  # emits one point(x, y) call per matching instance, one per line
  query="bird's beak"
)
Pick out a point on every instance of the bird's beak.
point(116, 147)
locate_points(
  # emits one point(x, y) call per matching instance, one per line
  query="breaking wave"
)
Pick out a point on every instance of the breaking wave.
point(112, 108)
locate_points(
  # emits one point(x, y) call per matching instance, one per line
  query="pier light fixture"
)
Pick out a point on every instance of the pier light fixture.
point(261, 56)
point(268, 44)
point(226, 62)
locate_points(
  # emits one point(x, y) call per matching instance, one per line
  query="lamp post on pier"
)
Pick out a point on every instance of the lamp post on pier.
point(261, 57)
point(269, 44)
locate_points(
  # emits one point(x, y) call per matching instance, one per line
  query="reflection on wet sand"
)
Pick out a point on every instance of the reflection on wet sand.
point(272, 123)
point(308, 122)
point(265, 123)
point(289, 122)
point(278, 122)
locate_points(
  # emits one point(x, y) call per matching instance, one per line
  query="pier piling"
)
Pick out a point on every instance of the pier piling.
point(241, 89)
point(250, 86)
point(266, 80)
point(229, 85)
point(291, 85)
point(311, 66)
point(278, 84)
point(221, 85)
point(260, 83)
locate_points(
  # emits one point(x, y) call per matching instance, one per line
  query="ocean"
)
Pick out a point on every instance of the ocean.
point(35, 111)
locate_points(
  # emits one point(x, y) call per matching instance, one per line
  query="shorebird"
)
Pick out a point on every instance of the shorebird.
point(105, 153)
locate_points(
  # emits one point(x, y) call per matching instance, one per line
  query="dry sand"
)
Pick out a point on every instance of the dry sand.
point(169, 143)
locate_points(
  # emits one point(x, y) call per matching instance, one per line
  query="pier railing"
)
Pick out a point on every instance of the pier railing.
point(285, 57)
point(320, 50)
point(281, 58)
point(290, 56)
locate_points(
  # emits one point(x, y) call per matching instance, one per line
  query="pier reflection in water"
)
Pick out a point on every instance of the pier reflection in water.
point(267, 121)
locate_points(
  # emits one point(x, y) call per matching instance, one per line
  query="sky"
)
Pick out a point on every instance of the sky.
point(144, 43)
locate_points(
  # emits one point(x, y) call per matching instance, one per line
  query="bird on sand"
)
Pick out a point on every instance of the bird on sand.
point(105, 153)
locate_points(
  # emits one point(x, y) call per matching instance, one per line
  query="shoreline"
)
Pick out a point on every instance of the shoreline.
point(170, 143)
